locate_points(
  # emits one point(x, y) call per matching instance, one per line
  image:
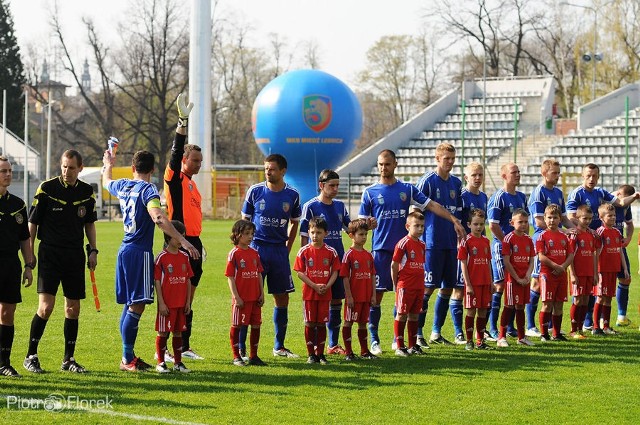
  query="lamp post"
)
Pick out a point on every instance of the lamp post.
point(594, 57)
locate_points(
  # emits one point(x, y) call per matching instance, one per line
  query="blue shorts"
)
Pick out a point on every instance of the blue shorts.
point(382, 263)
point(626, 260)
point(277, 270)
point(441, 269)
point(536, 260)
point(337, 289)
point(134, 275)
point(497, 264)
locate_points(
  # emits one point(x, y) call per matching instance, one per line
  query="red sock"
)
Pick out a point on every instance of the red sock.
point(161, 344)
point(597, 309)
point(412, 332)
point(543, 318)
point(309, 334)
point(322, 339)
point(346, 337)
point(481, 324)
point(573, 314)
point(362, 337)
point(254, 339)
point(606, 315)
point(557, 324)
point(398, 330)
point(176, 344)
point(507, 312)
point(468, 327)
point(582, 313)
point(520, 323)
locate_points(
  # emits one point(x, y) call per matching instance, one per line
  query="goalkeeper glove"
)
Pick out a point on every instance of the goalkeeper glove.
point(183, 110)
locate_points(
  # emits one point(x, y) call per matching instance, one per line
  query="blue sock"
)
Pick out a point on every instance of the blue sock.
point(455, 308)
point(494, 314)
point(511, 328)
point(422, 317)
point(122, 317)
point(129, 335)
point(440, 314)
point(532, 309)
point(374, 321)
point(588, 320)
point(280, 321)
point(622, 296)
point(333, 326)
point(242, 338)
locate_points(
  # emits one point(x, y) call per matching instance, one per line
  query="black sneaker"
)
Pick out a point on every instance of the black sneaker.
point(142, 365)
point(402, 352)
point(440, 340)
point(416, 351)
point(351, 357)
point(256, 361)
point(72, 366)
point(32, 364)
point(313, 359)
point(512, 333)
point(9, 371)
point(560, 337)
point(322, 359)
point(598, 332)
point(423, 343)
point(469, 346)
point(243, 354)
point(368, 356)
point(483, 346)
point(545, 337)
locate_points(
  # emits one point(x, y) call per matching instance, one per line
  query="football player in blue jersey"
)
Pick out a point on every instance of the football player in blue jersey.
point(337, 217)
point(272, 205)
point(589, 193)
point(624, 223)
point(441, 238)
point(546, 193)
point(386, 205)
point(501, 206)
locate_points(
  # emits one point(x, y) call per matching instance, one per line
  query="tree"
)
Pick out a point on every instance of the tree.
point(12, 76)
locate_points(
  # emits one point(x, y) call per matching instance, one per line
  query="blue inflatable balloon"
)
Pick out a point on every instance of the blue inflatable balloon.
point(310, 117)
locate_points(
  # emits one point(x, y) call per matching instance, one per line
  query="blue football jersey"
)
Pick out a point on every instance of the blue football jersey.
point(501, 206)
point(390, 204)
point(134, 196)
point(271, 211)
point(471, 200)
point(623, 215)
point(439, 232)
point(337, 218)
point(538, 201)
point(581, 196)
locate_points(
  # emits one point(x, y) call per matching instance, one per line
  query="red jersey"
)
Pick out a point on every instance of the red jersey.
point(477, 252)
point(519, 249)
point(318, 264)
point(586, 247)
point(245, 267)
point(357, 266)
point(173, 271)
point(410, 254)
point(611, 239)
point(556, 246)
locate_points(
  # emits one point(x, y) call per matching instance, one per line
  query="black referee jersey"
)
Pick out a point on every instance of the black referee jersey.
point(13, 224)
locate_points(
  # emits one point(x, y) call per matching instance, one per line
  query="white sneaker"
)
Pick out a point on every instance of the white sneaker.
point(167, 357)
point(502, 343)
point(394, 346)
point(376, 350)
point(533, 333)
point(459, 340)
point(525, 341)
point(285, 352)
point(190, 354)
point(180, 367)
point(162, 368)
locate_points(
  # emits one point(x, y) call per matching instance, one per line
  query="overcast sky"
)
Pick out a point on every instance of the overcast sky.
point(343, 29)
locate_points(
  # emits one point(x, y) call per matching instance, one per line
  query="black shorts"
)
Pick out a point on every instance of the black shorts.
point(61, 265)
point(196, 265)
point(10, 280)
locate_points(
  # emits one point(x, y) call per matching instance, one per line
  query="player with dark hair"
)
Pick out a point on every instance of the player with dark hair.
point(62, 213)
point(272, 205)
point(140, 205)
point(337, 217)
point(184, 203)
point(14, 232)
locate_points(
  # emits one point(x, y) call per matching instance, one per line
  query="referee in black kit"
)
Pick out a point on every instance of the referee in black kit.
point(14, 234)
point(63, 211)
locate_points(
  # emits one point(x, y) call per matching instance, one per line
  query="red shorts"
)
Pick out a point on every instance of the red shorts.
point(607, 285)
point(176, 321)
point(409, 301)
point(584, 286)
point(481, 297)
point(315, 311)
point(359, 313)
point(249, 314)
point(553, 288)
point(516, 294)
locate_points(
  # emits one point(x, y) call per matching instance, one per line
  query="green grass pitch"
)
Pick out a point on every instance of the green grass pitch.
point(590, 381)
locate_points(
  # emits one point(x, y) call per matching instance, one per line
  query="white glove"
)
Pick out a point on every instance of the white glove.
point(184, 109)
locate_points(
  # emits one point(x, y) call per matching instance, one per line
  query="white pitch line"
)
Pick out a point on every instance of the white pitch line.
point(141, 417)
